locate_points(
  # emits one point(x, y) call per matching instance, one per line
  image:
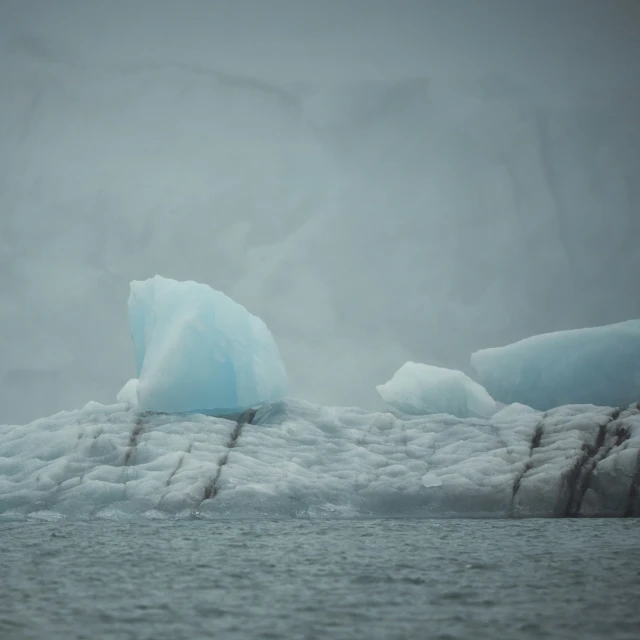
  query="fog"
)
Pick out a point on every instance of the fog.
point(379, 181)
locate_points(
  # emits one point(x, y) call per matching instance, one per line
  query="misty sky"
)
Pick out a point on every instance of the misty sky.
point(338, 39)
point(379, 181)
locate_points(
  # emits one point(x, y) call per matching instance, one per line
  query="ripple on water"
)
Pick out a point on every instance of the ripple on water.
point(362, 579)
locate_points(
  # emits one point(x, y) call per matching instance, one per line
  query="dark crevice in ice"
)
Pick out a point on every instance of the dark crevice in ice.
point(622, 435)
point(535, 443)
point(517, 481)
point(134, 436)
point(537, 437)
point(569, 486)
point(576, 481)
point(180, 461)
point(592, 454)
point(211, 489)
point(629, 511)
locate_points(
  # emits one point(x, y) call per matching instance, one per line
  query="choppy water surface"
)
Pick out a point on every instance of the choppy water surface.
point(316, 579)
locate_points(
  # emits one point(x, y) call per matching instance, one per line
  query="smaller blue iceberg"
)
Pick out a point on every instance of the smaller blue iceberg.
point(599, 366)
point(196, 350)
point(421, 389)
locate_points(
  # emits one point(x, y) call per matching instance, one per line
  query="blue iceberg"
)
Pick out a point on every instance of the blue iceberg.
point(599, 366)
point(421, 389)
point(196, 350)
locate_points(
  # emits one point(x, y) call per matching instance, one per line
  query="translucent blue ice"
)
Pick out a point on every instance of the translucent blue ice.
point(198, 350)
point(421, 389)
point(599, 366)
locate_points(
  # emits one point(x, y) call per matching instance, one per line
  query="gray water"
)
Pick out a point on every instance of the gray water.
point(470, 579)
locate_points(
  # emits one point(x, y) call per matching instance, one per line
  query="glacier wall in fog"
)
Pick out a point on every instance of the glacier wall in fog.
point(368, 223)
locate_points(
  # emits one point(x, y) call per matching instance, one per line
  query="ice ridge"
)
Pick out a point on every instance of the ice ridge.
point(296, 459)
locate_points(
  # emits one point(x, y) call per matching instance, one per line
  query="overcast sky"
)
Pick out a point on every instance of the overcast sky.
point(349, 39)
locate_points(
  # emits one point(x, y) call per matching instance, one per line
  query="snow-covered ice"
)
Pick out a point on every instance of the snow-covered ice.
point(420, 389)
point(299, 459)
point(198, 350)
point(599, 365)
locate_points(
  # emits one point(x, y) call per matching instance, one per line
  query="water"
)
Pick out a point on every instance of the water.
point(468, 579)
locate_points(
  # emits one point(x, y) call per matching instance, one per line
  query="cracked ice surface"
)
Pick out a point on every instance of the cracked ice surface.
point(299, 459)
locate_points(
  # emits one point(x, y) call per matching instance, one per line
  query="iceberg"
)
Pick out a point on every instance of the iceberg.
point(420, 389)
point(198, 350)
point(296, 459)
point(205, 431)
point(599, 366)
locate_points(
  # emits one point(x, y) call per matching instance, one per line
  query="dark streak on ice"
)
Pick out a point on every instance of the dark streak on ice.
point(182, 457)
point(211, 489)
point(535, 443)
point(583, 473)
point(622, 435)
point(577, 479)
point(134, 437)
point(537, 437)
point(569, 484)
